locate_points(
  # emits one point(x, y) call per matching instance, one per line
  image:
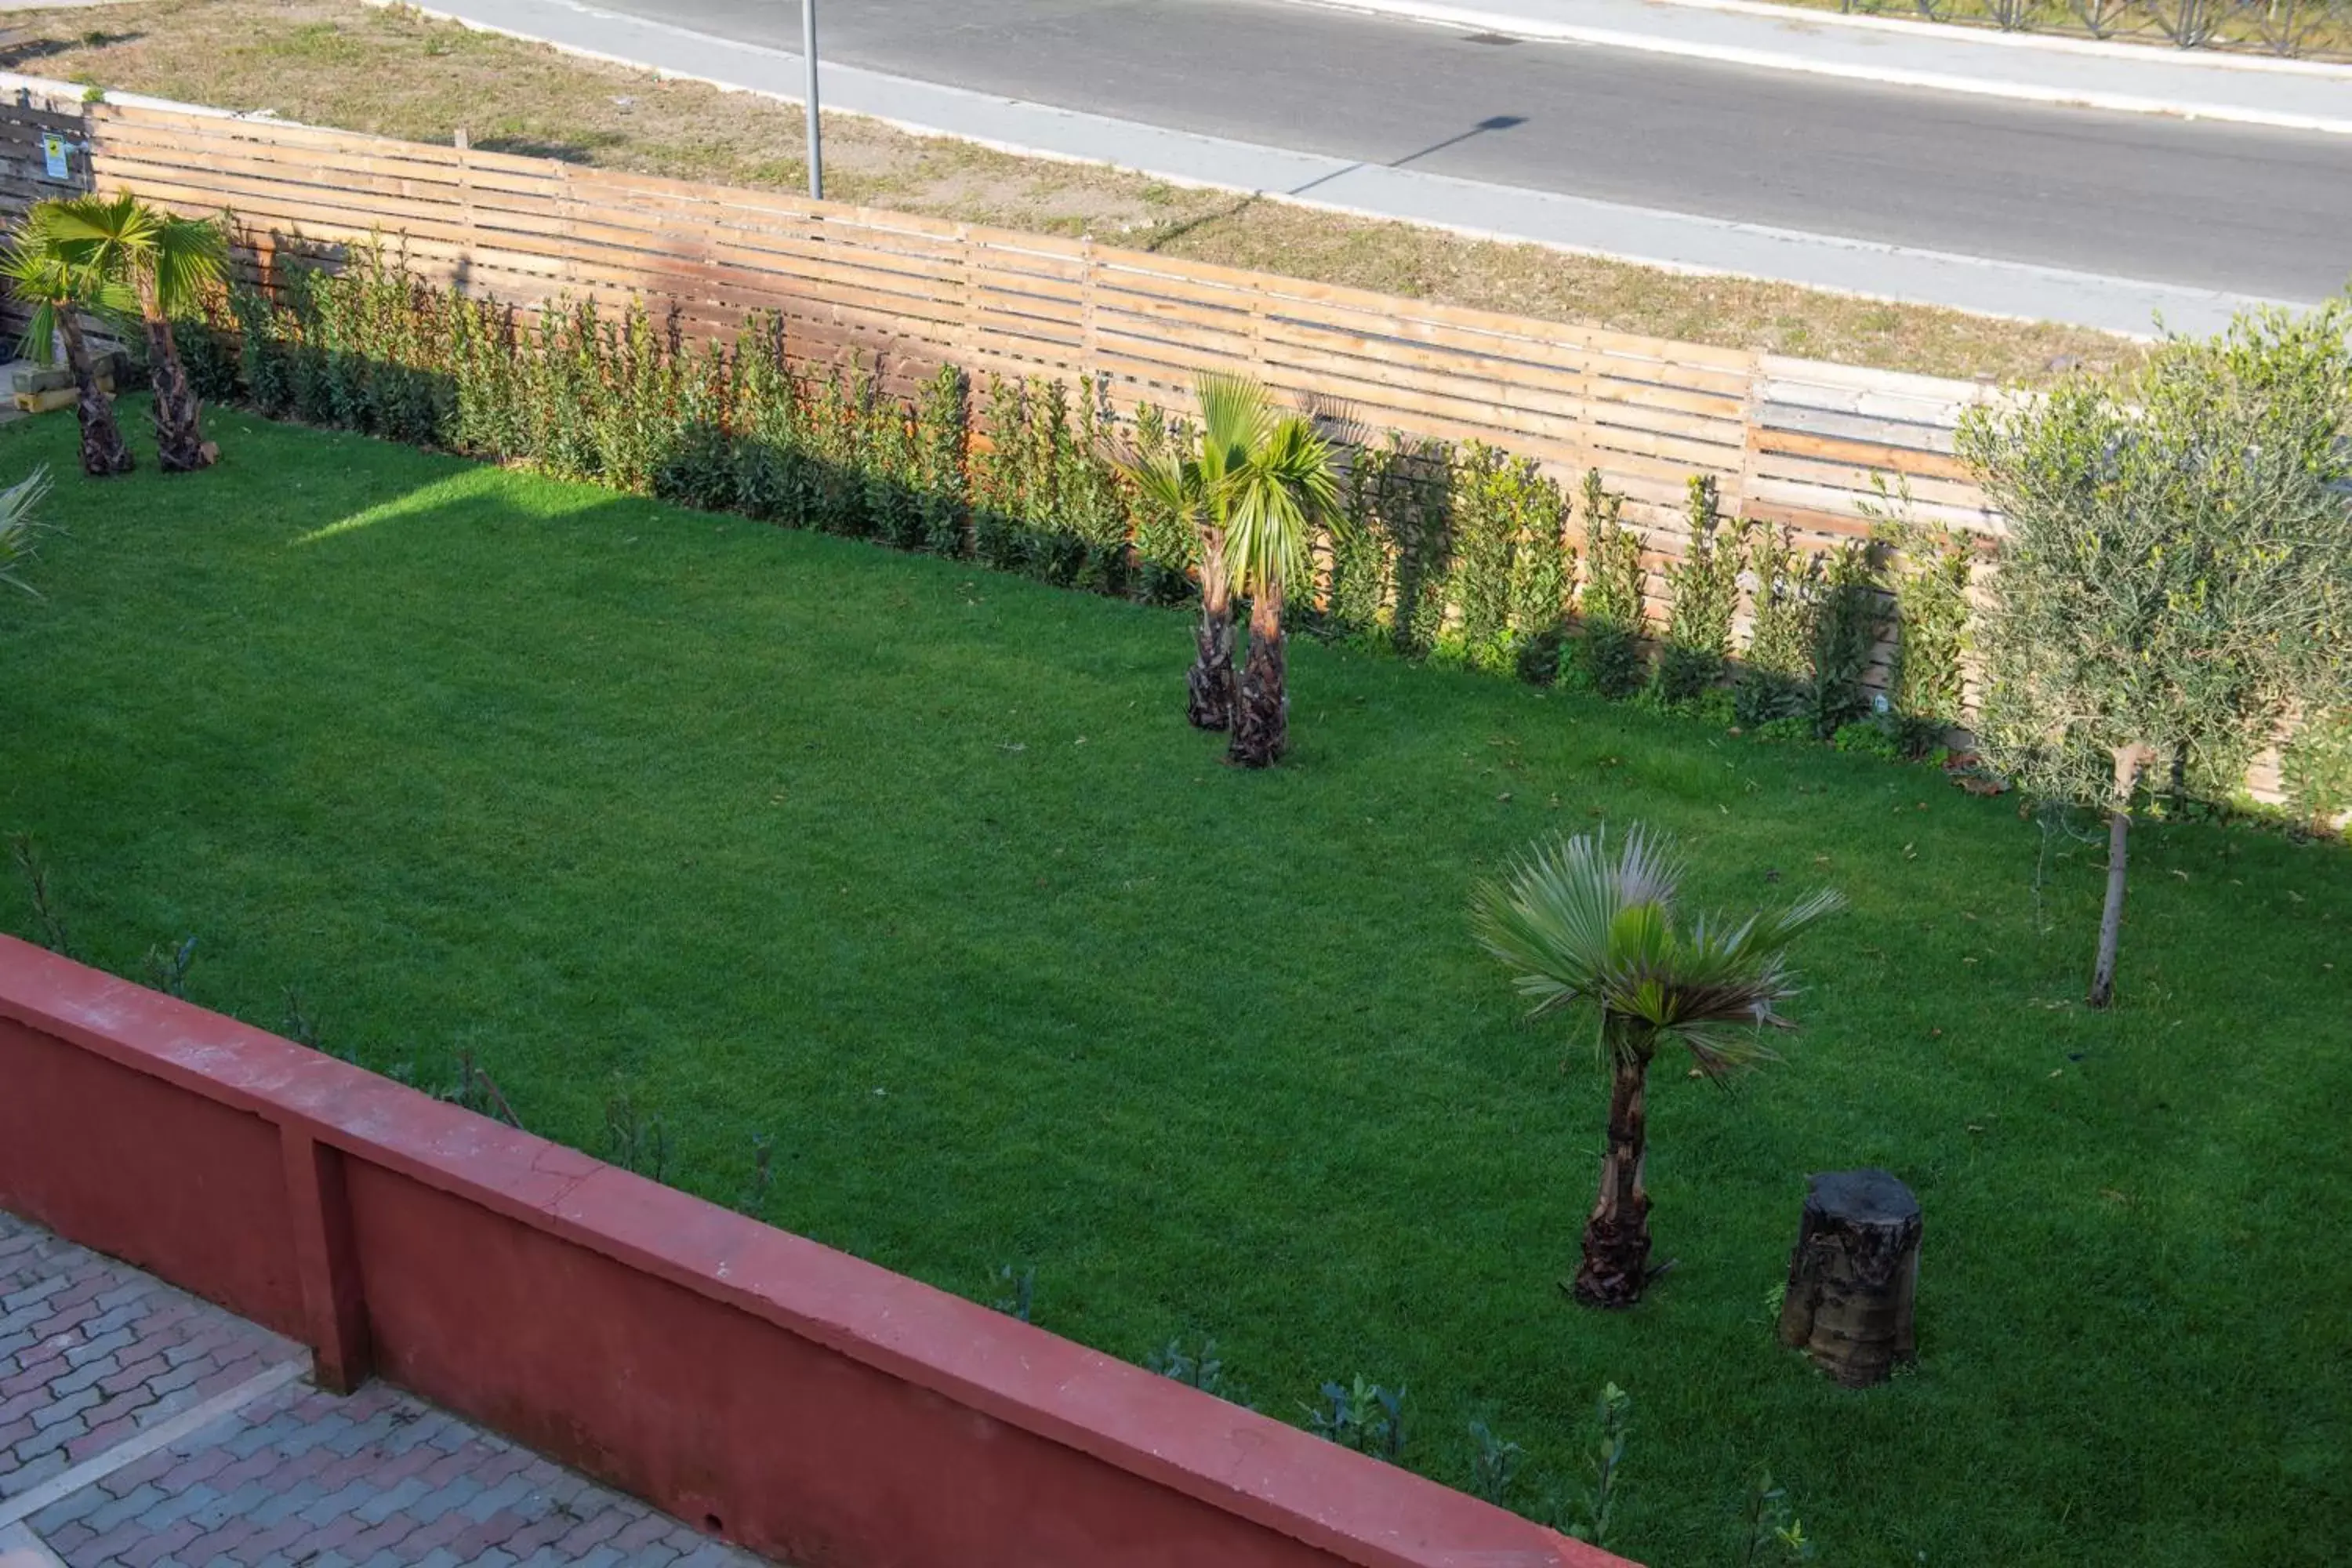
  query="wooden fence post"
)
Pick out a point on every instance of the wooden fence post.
point(466, 199)
point(1087, 350)
point(967, 327)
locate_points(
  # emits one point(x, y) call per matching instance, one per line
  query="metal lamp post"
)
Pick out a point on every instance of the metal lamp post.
point(808, 61)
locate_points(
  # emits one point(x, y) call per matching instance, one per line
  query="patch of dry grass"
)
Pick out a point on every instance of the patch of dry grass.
point(394, 73)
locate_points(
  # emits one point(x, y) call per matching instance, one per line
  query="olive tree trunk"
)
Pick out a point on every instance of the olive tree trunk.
point(103, 452)
point(2130, 763)
point(1262, 716)
point(1209, 684)
point(1616, 1264)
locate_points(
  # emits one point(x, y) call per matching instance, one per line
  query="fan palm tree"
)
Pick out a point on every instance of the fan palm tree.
point(19, 503)
point(168, 262)
point(1582, 928)
point(1198, 485)
point(59, 293)
point(1283, 495)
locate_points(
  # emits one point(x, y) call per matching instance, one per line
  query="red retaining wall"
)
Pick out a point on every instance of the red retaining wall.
point(790, 1398)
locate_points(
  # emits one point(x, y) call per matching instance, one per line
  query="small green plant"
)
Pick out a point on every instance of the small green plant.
point(1416, 508)
point(635, 1139)
point(1615, 586)
point(1846, 624)
point(1703, 598)
point(997, 477)
point(167, 968)
point(1779, 662)
point(1195, 1367)
point(1871, 737)
point(1167, 544)
point(1587, 1510)
point(47, 924)
point(1486, 532)
point(754, 1201)
point(301, 1027)
point(1362, 1415)
point(1769, 1529)
point(942, 421)
point(1494, 1466)
point(1934, 566)
point(472, 1089)
point(1020, 1286)
point(2317, 767)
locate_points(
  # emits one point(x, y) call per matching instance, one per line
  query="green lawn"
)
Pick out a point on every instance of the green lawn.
point(918, 870)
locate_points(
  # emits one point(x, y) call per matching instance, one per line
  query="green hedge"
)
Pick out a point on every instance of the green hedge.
point(1462, 554)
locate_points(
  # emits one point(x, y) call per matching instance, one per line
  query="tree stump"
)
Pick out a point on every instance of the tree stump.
point(1854, 1275)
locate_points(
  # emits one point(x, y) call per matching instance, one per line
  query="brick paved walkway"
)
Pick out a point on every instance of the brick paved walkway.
point(142, 1428)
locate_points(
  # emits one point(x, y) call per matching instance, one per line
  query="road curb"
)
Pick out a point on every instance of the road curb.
point(1515, 24)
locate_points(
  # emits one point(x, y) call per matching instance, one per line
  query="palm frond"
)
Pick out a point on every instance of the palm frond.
point(36, 272)
point(1166, 479)
point(189, 257)
point(1548, 920)
point(1282, 493)
point(1576, 926)
point(19, 503)
point(120, 238)
point(1235, 415)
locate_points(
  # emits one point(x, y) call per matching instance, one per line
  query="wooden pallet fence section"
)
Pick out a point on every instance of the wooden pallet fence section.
point(1818, 435)
point(26, 122)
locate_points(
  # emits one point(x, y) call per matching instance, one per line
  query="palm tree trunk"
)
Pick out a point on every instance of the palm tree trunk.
point(2130, 762)
point(1262, 716)
point(180, 445)
point(103, 452)
point(1617, 1236)
point(1209, 682)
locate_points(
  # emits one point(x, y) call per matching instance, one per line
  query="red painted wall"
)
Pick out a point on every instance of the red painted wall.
point(792, 1398)
point(186, 1187)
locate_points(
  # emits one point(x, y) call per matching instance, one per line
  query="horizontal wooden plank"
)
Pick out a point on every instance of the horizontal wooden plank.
point(1909, 434)
point(1713, 457)
point(1848, 377)
point(1867, 455)
point(1612, 414)
point(1856, 481)
point(1507, 404)
point(295, 140)
point(1832, 501)
point(1616, 390)
point(1934, 410)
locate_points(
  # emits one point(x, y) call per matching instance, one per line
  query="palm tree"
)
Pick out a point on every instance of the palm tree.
point(1581, 928)
point(59, 293)
point(19, 503)
point(1283, 495)
point(1197, 485)
point(168, 262)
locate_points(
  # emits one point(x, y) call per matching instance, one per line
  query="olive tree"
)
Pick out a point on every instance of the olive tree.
point(2175, 582)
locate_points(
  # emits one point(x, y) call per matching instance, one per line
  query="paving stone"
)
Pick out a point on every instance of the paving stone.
point(91, 1351)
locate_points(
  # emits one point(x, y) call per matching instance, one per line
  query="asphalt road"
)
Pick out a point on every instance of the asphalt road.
point(2212, 206)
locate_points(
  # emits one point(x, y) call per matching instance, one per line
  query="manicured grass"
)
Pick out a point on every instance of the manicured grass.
point(918, 869)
